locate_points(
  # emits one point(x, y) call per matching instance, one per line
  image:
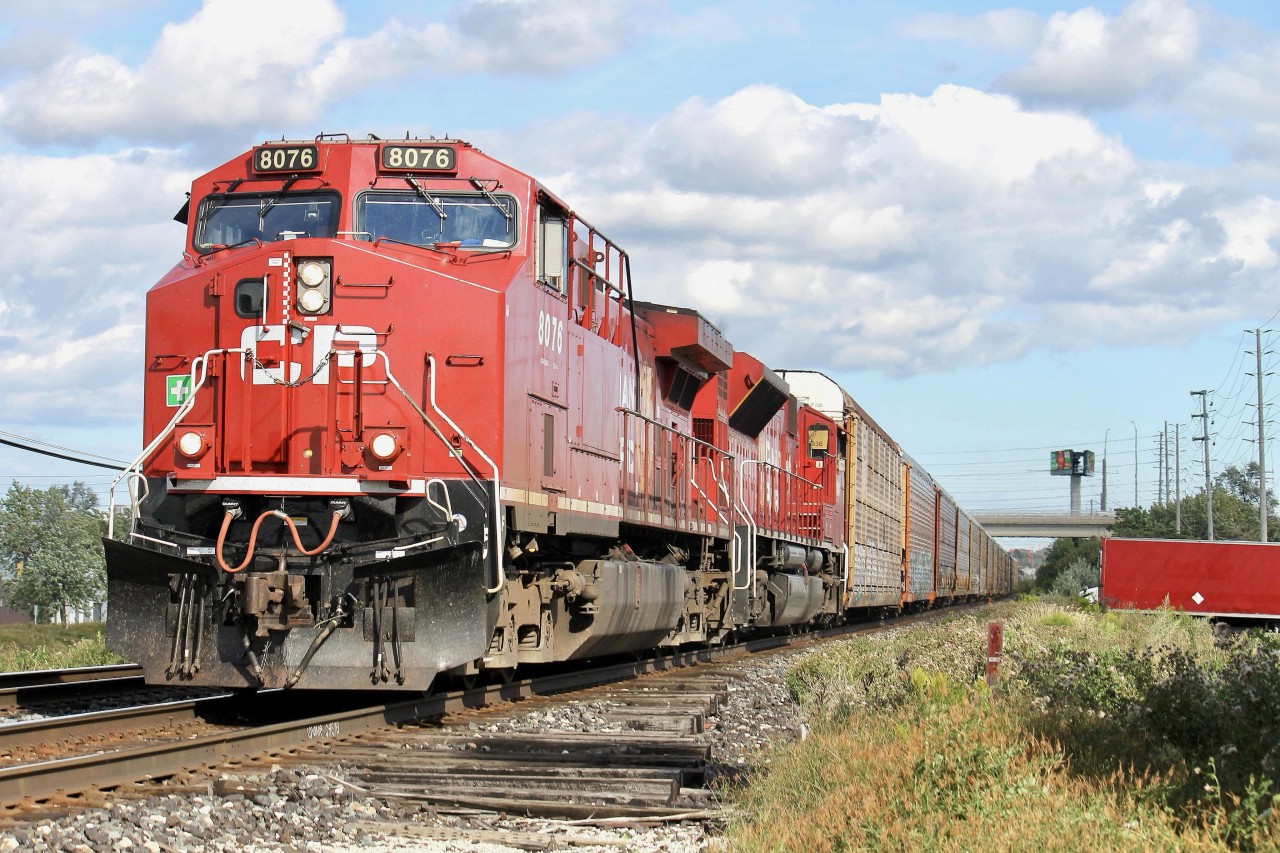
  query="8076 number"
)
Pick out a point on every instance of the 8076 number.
point(418, 158)
point(285, 158)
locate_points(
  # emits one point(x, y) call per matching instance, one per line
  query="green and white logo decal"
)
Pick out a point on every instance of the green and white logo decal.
point(177, 388)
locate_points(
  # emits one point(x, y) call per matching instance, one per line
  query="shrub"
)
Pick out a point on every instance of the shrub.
point(1141, 730)
point(1078, 576)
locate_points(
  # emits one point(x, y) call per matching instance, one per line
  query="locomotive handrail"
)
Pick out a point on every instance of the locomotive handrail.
point(844, 581)
point(174, 545)
point(690, 445)
point(733, 564)
point(134, 502)
point(454, 452)
point(724, 489)
point(447, 508)
point(499, 533)
point(391, 280)
point(200, 364)
point(752, 527)
point(721, 488)
point(661, 425)
point(737, 540)
point(404, 549)
point(698, 489)
point(609, 286)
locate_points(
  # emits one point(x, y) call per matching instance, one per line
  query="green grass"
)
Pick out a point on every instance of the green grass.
point(1106, 731)
point(28, 647)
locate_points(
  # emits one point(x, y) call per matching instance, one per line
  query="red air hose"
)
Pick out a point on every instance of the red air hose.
point(253, 538)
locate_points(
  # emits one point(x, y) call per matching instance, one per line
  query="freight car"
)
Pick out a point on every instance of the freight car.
point(403, 416)
point(1238, 580)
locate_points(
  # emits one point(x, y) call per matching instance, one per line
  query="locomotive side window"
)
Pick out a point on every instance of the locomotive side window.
point(251, 298)
point(553, 239)
point(424, 219)
point(230, 220)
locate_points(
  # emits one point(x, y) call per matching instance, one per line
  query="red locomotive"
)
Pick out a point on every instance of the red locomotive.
point(403, 417)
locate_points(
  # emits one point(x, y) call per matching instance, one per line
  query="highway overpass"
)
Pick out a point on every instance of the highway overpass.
point(1047, 526)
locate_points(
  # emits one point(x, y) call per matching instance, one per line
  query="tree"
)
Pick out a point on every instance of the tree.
point(1064, 552)
point(1243, 485)
point(1078, 576)
point(50, 547)
point(1235, 512)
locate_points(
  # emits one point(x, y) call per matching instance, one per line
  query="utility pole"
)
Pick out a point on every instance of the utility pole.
point(1168, 475)
point(1162, 481)
point(1105, 436)
point(1262, 451)
point(1135, 463)
point(1208, 487)
point(1177, 483)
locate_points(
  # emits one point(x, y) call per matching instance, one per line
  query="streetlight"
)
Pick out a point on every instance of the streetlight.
point(1135, 464)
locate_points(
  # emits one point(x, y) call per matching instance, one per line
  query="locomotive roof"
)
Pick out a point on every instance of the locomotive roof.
point(676, 309)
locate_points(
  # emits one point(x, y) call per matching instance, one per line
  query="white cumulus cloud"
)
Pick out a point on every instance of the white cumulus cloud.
point(213, 74)
point(919, 233)
point(86, 237)
point(1087, 57)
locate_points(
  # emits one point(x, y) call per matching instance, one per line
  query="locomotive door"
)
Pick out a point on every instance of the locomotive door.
point(548, 412)
point(547, 446)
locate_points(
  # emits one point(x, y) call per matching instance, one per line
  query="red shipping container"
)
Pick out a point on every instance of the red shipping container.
point(1198, 577)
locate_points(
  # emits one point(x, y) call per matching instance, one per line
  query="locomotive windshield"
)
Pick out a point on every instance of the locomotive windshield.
point(424, 219)
point(229, 220)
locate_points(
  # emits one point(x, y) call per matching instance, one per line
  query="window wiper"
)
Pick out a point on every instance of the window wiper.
point(413, 182)
point(222, 199)
point(275, 199)
point(493, 199)
point(431, 247)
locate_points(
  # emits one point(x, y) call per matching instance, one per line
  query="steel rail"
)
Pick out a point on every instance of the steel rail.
point(91, 723)
point(44, 685)
point(30, 678)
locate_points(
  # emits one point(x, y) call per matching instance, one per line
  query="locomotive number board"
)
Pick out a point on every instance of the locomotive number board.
point(286, 158)
point(418, 158)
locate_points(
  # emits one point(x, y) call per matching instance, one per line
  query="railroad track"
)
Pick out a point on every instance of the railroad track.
point(651, 726)
point(24, 689)
point(648, 759)
point(31, 783)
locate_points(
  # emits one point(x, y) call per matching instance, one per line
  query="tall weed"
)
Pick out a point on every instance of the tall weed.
point(1105, 731)
point(28, 647)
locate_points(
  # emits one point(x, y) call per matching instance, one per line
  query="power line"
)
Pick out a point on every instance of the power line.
point(29, 445)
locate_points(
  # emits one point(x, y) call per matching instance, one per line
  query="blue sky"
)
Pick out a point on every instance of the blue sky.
point(1004, 228)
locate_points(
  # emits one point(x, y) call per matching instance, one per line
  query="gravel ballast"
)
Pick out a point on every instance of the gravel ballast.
point(316, 809)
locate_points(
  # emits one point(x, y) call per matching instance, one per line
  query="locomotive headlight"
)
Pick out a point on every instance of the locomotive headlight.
point(191, 445)
point(312, 273)
point(384, 446)
point(311, 301)
point(315, 285)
